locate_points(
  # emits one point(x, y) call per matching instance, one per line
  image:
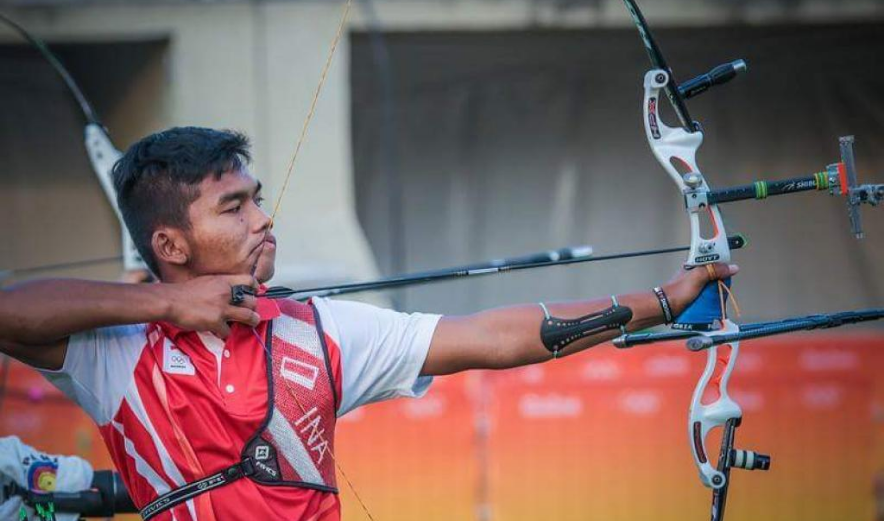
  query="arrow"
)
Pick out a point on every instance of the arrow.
point(561, 257)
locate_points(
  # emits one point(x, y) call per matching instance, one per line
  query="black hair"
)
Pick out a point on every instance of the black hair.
point(158, 178)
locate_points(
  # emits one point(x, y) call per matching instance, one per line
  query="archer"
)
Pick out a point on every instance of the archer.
point(221, 408)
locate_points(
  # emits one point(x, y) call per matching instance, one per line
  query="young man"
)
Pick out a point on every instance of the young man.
point(216, 410)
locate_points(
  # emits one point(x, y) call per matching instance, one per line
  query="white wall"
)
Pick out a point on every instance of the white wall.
point(255, 66)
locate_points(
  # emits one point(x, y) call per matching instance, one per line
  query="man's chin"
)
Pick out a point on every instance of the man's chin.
point(264, 271)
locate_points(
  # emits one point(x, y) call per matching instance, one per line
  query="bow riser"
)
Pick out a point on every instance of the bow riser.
point(705, 417)
point(676, 151)
point(675, 146)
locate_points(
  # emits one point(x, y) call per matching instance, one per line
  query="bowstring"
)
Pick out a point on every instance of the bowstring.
point(726, 295)
point(290, 168)
point(303, 134)
point(313, 106)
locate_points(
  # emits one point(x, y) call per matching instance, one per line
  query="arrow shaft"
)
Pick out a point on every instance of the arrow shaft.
point(474, 270)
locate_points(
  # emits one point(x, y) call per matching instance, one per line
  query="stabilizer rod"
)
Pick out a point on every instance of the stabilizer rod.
point(838, 179)
point(697, 341)
point(717, 76)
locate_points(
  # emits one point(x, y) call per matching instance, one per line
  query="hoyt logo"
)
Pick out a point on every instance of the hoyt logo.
point(706, 258)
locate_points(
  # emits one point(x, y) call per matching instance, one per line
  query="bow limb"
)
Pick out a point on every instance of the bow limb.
point(99, 147)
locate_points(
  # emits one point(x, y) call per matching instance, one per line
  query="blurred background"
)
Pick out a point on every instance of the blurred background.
point(454, 131)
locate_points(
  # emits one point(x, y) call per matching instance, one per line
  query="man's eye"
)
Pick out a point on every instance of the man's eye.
point(235, 209)
point(259, 201)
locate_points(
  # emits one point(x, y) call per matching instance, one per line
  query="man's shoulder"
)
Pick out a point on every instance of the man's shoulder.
point(98, 366)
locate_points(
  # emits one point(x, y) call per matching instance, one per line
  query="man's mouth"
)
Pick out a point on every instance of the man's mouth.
point(269, 241)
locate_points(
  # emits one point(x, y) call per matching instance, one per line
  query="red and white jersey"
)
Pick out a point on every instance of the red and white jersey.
point(174, 417)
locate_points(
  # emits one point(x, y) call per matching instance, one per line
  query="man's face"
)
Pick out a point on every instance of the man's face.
point(229, 229)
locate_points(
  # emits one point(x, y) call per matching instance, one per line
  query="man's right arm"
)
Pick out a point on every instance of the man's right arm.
point(37, 317)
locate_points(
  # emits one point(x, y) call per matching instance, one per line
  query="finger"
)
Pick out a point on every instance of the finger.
point(721, 271)
point(244, 316)
point(222, 330)
point(248, 302)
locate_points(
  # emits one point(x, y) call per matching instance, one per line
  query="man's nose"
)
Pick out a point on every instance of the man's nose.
point(264, 221)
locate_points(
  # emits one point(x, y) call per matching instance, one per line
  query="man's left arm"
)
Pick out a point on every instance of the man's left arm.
point(512, 336)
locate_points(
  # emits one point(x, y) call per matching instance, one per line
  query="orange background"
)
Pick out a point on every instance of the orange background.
point(600, 435)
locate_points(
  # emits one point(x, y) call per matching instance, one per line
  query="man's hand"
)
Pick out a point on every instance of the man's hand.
point(687, 284)
point(204, 303)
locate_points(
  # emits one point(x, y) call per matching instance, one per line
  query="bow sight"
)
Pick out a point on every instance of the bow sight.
point(838, 179)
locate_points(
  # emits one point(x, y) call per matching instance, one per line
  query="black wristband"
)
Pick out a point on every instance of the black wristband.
point(665, 305)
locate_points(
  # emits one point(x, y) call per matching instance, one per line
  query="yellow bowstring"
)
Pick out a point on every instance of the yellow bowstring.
point(725, 292)
point(313, 106)
point(301, 137)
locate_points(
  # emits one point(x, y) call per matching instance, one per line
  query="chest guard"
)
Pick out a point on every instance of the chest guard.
point(294, 444)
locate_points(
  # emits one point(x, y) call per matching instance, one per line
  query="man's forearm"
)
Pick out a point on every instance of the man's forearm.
point(511, 337)
point(44, 311)
point(520, 327)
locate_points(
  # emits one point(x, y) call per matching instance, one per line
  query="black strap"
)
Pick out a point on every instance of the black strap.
point(186, 492)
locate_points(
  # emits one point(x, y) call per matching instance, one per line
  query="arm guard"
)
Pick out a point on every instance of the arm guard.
point(557, 333)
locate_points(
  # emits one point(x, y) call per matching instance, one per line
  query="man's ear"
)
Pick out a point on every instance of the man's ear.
point(170, 246)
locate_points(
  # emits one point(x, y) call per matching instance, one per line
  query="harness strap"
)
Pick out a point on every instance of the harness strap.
point(185, 492)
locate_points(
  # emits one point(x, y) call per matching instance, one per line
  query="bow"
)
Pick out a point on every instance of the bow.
point(675, 149)
point(705, 323)
point(99, 147)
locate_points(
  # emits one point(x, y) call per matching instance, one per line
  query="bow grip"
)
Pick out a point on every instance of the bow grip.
point(704, 311)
